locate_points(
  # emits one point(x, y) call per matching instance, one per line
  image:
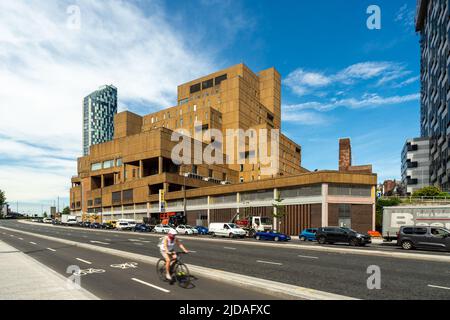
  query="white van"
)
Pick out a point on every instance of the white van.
point(224, 229)
point(125, 224)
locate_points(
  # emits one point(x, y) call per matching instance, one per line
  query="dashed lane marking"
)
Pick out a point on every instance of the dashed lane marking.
point(151, 285)
point(269, 262)
point(438, 287)
point(85, 261)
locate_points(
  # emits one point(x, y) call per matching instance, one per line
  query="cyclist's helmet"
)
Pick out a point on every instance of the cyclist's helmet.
point(172, 233)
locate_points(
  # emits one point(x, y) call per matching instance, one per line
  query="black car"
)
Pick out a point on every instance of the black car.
point(141, 227)
point(86, 224)
point(95, 225)
point(340, 234)
point(107, 226)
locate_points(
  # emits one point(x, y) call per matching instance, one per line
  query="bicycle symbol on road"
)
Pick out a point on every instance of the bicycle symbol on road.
point(126, 265)
point(87, 271)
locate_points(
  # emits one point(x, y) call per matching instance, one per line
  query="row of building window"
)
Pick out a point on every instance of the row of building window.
point(106, 164)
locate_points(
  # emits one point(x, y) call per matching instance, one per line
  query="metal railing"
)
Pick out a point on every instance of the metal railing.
point(416, 199)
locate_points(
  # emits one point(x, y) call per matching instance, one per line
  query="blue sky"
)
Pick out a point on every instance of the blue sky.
point(340, 79)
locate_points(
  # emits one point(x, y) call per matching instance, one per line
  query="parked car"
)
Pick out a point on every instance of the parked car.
point(125, 224)
point(107, 225)
point(308, 234)
point(182, 229)
point(424, 237)
point(95, 225)
point(202, 229)
point(271, 235)
point(341, 234)
point(224, 229)
point(141, 227)
point(35, 220)
point(47, 220)
point(86, 224)
point(162, 228)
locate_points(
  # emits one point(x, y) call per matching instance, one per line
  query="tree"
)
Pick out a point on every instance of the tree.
point(380, 204)
point(66, 210)
point(430, 191)
point(45, 214)
point(2, 202)
point(279, 210)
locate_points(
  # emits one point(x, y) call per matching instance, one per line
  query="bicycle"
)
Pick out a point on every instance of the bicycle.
point(178, 270)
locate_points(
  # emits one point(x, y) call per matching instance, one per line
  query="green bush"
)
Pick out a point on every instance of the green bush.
point(430, 191)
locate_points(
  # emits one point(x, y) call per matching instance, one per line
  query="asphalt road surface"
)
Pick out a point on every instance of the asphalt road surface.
point(339, 273)
point(111, 277)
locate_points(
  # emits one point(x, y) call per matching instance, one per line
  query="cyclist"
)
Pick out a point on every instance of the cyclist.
point(167, 247)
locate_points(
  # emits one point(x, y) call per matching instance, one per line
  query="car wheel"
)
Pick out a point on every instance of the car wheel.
point(258, 238)
point(354, 242)
point(302, 238)
point(276, 239)
point(230, 235)
point(185, 232)
point(407, 245)
point(213, 234)
point(321, 240)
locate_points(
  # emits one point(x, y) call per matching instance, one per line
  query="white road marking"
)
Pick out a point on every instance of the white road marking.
point(11, 235)
point(51, 249)
point(439, 287)
point(83, 261)
point(20, 238)
point(32, 242)
point(94, 241)
point(85, 236)
point(150, 285)
point(308, 257)
point(191, 251)
point(229, 248)
point(138, 244)
point(269, 262)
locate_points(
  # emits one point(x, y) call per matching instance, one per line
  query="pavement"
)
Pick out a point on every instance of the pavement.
point(340, 271)
point(23, 278)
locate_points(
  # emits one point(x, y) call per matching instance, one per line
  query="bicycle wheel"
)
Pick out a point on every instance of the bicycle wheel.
point(182, 275)
point(161, 269)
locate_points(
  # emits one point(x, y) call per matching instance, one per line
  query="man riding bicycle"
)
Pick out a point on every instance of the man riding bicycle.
point(167, 247)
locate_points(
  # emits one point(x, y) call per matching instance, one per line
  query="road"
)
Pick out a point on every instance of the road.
point(340, 273)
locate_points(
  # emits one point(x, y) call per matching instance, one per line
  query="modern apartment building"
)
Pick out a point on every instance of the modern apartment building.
point(99, 109)
point(124, 177)
point(433, 23)
point(416, 164)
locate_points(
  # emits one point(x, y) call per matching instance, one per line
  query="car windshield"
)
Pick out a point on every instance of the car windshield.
point(349, 230)
point(233, 226)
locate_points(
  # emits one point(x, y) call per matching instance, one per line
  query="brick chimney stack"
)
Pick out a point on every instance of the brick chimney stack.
point(345, 154)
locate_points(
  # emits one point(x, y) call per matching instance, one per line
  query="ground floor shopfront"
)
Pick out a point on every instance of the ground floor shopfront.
point(305, 205)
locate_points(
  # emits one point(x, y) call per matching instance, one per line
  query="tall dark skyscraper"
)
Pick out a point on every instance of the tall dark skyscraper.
point(433, 23)
point(99, 109)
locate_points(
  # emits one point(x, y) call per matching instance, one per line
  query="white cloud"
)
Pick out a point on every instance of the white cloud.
point(305, 118)
point(366, 101)
point(406, 17)
point(46, 69)
point(302, 82)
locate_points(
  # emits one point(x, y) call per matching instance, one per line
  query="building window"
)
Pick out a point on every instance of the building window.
point(195, 107)
point(119, 162)
point(108, 164)
point(241, 179)
point(210, 173)
point(96, 166)
point(241, 167)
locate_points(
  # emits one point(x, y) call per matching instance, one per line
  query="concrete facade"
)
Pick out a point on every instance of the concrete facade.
point(416, 164)
point(122, 177)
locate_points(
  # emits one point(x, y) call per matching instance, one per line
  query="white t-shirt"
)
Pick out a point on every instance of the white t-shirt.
point(170, 244)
